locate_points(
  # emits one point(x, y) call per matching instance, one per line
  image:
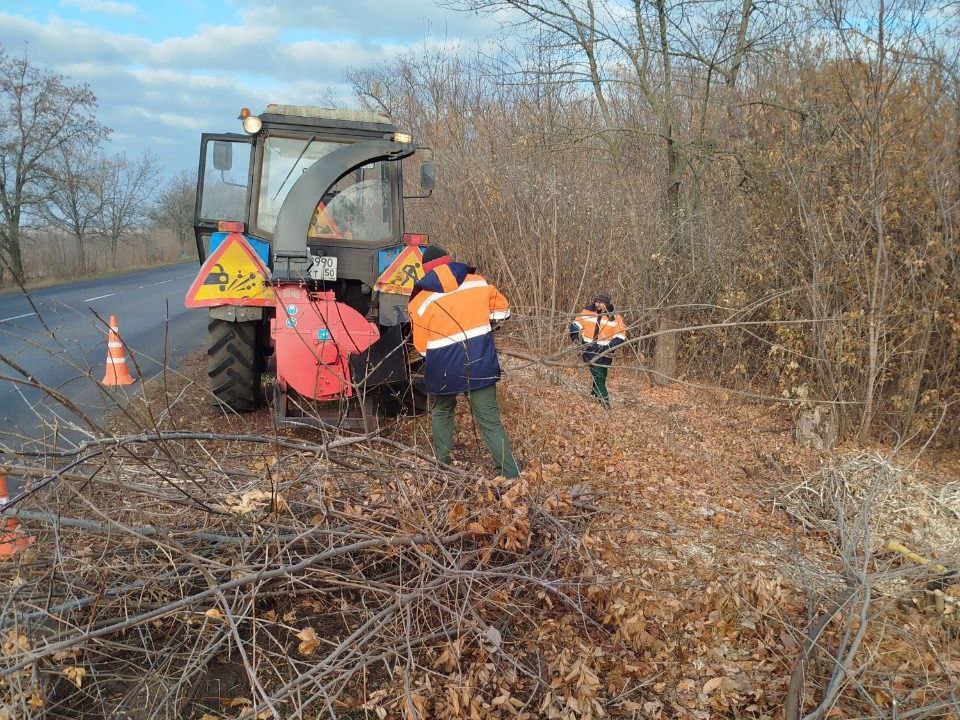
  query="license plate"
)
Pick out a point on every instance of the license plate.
point(324, 267)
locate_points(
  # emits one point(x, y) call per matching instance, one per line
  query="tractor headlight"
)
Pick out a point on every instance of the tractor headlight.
point(405, 138)
point(252, 124)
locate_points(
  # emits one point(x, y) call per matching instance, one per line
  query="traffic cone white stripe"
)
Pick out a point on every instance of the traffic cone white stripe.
point(116, 373)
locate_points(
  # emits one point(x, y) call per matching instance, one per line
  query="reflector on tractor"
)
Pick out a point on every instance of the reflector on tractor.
point(299, 224)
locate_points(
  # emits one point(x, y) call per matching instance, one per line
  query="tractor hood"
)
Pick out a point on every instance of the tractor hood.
point(293, 221)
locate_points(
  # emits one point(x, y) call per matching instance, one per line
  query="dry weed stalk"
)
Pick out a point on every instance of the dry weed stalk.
point(302, 576)
point(859, 601)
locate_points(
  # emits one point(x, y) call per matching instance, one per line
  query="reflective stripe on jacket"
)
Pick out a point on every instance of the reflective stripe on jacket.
point(599, 332)
point(451, 311)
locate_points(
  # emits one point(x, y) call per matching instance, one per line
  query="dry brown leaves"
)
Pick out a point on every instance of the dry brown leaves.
point(696, 580)
point(683, 597)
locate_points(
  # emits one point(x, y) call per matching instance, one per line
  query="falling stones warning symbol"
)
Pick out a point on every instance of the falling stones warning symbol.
point(232, 275)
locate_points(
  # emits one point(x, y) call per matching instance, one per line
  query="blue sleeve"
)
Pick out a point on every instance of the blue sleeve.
point(574, 332)
point(615, 342)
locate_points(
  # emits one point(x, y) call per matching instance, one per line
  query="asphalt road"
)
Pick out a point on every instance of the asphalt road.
point(56, 337)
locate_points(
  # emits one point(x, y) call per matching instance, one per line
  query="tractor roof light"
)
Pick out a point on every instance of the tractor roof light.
point(402, 137)
point(252, 124)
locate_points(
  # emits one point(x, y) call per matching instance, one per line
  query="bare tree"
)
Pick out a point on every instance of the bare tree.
point(40, 114)
point(875, 39)
point(678, 63)
point(778, 222)
point(173, 208)
point(74, 200)
point(128, 188)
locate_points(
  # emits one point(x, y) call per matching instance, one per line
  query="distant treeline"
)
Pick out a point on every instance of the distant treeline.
point(67, 208)
point(50, 255)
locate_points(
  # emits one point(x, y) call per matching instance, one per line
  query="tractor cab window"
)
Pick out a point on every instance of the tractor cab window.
point(226, 173)
point(359, 207)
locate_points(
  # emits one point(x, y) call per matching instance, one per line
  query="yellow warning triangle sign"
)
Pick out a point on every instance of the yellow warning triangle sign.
point(322, 225)
point(403, 272)
point(232, 275)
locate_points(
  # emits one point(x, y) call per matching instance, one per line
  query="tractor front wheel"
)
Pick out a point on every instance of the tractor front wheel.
point(236, 362)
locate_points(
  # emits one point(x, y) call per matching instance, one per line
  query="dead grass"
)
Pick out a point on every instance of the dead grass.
point(49, 282)
point(693, 586)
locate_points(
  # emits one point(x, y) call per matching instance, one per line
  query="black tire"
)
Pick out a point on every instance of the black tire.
point(236, 363)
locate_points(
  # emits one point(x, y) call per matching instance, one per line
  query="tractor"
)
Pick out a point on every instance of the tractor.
point(299, 229)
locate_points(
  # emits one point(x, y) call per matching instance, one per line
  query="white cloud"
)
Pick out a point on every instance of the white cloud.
point(230, 47)
point(106, 7)
point(316, 59)
point(412, 20)
point(59, 42)
point(160, 94)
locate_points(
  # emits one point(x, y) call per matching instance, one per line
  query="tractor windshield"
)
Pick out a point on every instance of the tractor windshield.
point(358, 208)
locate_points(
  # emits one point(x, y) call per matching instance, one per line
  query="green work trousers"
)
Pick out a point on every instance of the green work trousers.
point(599, 390)
point(486, 413)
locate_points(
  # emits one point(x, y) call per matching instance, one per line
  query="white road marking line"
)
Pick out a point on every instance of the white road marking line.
point(17, 317)
point(158, 283)
point(99, 297)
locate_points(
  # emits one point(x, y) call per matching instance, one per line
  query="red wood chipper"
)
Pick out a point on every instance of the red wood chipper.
point(299, 226)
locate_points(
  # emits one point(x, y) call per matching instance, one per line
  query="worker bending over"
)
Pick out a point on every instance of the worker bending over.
point(601, 331)
point(452, 309)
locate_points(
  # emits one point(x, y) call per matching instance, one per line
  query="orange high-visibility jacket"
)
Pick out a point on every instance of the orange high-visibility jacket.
point(451, 312)
point(599, 332)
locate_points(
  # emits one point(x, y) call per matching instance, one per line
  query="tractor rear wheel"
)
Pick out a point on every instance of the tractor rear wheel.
point(236, 362)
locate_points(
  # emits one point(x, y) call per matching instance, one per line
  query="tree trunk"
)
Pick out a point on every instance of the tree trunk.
point(81, 255)
point(665, 357)
point(14, 259)
point(880, 279)
point(666, 345)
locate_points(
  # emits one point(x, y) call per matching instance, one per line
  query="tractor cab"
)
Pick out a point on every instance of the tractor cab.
point(299, 225)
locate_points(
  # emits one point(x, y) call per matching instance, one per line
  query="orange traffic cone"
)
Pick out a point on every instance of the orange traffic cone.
point(11, 540)
point(117, 372)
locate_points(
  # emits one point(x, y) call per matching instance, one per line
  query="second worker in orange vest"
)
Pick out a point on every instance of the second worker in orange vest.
point(452, 310)
point(601, 330)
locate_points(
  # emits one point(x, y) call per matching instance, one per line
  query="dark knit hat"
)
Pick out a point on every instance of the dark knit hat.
point(604, 298)
point(434, 255)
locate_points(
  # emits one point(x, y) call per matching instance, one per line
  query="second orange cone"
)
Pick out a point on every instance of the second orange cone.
point(117, 372)
point(11, 540)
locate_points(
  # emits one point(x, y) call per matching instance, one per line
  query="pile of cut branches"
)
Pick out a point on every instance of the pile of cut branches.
point(208, 575)
point(883, 622)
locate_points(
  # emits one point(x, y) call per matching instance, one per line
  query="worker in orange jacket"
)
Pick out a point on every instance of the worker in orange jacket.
point(600, 330)
point(452, 311)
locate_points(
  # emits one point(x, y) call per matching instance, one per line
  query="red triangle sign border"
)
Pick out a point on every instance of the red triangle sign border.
point(211, 261)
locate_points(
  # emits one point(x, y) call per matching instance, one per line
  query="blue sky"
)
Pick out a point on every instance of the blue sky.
point(166, 70)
